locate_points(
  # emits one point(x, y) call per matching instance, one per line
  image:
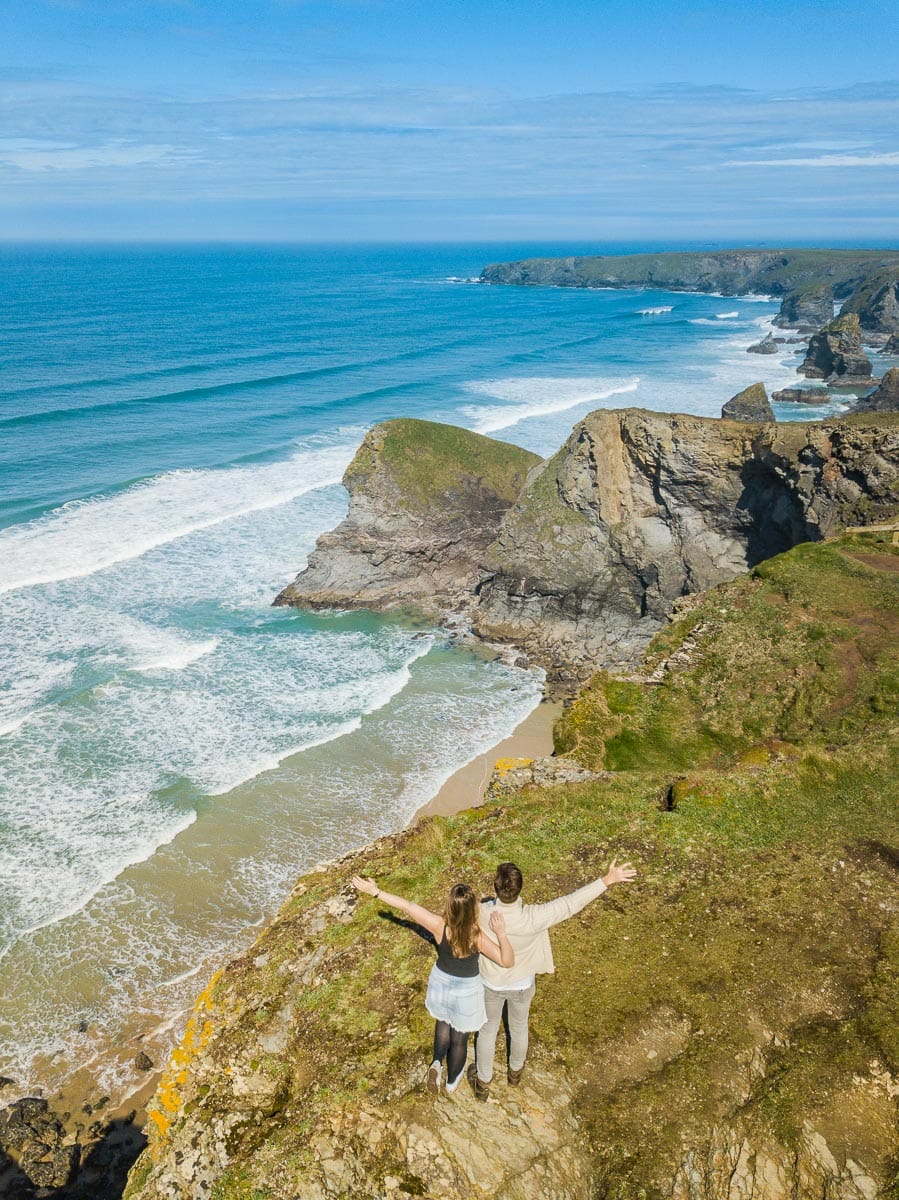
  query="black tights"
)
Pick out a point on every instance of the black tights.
point(451, 1045)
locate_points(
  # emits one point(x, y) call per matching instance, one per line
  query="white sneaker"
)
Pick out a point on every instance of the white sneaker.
point(432, 1079)
point(451, 1087)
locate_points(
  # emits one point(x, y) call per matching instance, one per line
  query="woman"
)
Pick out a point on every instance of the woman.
point(455, 997)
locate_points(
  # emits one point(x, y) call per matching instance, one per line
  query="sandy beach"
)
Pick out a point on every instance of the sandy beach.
point(533, 738)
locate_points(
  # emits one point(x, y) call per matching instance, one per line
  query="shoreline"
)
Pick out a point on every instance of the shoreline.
point(77, 1101)
point(465, 788)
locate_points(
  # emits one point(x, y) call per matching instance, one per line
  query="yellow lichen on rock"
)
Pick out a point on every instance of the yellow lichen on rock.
point(505, 765)
point(168, 1098)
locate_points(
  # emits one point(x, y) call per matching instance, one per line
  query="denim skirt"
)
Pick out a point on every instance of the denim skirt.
point(459, 1002)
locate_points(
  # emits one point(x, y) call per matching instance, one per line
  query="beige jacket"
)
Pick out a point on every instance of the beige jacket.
point(527, 927)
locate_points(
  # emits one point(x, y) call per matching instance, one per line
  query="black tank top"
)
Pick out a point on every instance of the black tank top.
point(462, 968)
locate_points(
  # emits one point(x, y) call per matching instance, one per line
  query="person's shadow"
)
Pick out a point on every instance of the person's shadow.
point(405, 923)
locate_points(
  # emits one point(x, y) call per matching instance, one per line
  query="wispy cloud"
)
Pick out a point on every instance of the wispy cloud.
point(888, 159)
point(672, 155)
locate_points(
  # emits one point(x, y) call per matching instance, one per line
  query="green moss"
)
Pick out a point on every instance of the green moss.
point(427, 460)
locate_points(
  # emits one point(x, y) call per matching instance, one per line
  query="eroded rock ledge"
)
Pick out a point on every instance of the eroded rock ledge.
point(581, 560)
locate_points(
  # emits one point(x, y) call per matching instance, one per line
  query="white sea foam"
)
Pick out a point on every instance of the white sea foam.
point(707, 320)
point(726, 316)
point(536, 396)
point(177, 657)
point(652, 312)
point(90, 535)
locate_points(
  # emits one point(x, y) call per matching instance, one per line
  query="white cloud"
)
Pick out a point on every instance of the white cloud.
point(889, 159)
point(33, 155)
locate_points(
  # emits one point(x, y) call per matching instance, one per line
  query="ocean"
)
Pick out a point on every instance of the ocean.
point(175, 422)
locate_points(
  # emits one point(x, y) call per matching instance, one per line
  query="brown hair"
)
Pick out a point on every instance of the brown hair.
point(461, 916)
point(507, 882)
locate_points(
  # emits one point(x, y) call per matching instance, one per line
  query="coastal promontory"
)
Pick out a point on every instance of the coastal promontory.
point(580, 559)
point(807, 280)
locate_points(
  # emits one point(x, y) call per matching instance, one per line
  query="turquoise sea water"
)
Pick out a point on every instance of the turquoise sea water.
point(174, 423)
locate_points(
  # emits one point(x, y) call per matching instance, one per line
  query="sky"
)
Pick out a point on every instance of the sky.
point(478, 120)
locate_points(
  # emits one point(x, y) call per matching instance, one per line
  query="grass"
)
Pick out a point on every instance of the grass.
point(750, 974)
point(426, 460)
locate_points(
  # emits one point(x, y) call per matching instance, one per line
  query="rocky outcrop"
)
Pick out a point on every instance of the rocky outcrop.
point(892, 344)
point(639, 508)
point(766, 346)
point(876, 303)
point(801, 395)
point(751, 404)
point(425, 502)
point(807, 308)
point(731, 272)
point(885, 397)
point(835, 352)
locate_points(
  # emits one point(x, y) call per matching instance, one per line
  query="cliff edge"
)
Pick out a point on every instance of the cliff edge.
point(727, 1027)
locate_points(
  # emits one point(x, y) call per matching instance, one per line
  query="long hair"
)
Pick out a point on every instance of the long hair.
point(461, 916)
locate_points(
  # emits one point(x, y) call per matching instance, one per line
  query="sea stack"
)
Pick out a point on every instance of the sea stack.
point(766, 346)
point(751, 404)
point(835, 352)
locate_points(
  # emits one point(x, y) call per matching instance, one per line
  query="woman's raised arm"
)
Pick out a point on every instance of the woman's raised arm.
point(422, 916)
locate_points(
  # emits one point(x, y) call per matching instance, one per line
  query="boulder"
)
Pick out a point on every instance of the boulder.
point(749, 405)
point(885, 397)
point(143, 1062)
point(892, 344)
point(766, 346)
point(801, 395)
point(806, 308)
point(836, 351)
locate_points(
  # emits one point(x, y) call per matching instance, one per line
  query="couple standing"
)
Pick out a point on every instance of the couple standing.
point(488, 957)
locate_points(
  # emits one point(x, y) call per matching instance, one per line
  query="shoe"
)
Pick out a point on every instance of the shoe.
point(452, 1085)
point(481, 1090)
point(432, 1079)
point(514, 1077)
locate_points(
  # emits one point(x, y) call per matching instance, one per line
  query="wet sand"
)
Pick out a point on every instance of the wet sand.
point(465, 789)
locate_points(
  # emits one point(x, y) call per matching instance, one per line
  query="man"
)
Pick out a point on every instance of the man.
point(527, 928)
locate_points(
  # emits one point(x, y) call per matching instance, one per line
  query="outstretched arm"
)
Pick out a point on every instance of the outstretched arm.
point(545, 915)
point(422, 916)
point(502, 953)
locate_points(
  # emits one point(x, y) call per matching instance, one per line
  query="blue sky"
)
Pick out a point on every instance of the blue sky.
point(427, 119)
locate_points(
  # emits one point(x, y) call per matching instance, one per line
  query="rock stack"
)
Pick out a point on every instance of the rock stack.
point(751, 404)
point(835, 353)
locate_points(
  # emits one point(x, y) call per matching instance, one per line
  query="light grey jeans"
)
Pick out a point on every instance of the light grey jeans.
point(519, 1006)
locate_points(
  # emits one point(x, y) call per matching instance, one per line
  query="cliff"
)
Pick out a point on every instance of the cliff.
point(636, 510)
point(425, 502)
point(724, 1028)
point(805, 278)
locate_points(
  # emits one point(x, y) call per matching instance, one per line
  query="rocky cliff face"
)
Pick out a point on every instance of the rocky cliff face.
point(425, 502)
point(835, 352)
point(876, 302)
point(637, 509)
point(806, 309)
point(885, 397)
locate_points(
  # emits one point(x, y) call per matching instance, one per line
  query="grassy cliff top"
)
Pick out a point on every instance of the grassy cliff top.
point(749, 976)
point(425, 460)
